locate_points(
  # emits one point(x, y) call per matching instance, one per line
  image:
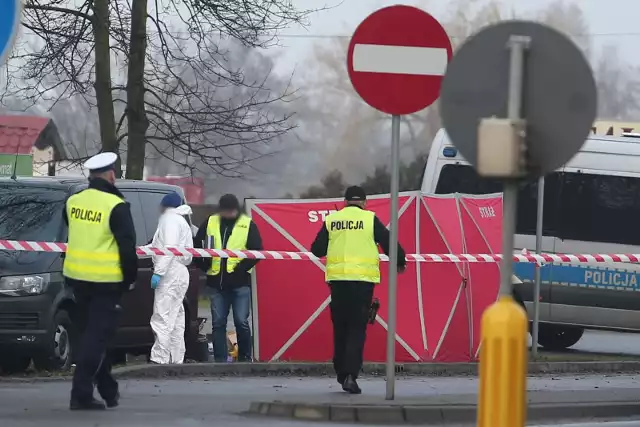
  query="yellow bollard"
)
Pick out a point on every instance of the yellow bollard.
point(502, 400)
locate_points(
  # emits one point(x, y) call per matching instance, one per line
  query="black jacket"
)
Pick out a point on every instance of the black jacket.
point(240, 276)
point(381, 236)
point(121, 224)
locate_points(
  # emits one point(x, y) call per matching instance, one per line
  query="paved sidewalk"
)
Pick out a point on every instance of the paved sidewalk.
point(446, 402)
point(600, 424)
point(448, 409)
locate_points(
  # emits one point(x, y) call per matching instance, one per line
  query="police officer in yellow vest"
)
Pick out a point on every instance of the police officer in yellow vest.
point(349, 239)
point(229, 279)
point(99, 265)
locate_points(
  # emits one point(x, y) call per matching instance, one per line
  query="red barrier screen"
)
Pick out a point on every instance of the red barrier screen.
point(439, 304)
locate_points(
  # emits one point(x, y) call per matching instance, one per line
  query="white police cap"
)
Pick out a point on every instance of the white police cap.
point(101, 161)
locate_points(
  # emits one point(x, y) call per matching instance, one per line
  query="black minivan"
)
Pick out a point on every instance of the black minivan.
point(37, 308)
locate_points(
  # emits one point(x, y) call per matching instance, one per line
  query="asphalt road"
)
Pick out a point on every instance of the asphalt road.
point(199, 403)
point(604, 424)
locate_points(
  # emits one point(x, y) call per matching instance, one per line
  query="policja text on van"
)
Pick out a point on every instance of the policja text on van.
point(610, 278)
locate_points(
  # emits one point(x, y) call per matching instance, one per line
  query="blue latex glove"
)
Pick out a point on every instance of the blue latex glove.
point(155, 281)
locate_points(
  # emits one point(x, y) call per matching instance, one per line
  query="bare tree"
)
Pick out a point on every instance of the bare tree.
point(618, 82)
point(360, 134)
point(217, 114)
point(69, 54)
point(618, 87)
point(353, 135)
point(137, 120)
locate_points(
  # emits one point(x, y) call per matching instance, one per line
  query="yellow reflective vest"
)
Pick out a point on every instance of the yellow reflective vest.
point(352, 254)
point(92, 252)
point(237, 241)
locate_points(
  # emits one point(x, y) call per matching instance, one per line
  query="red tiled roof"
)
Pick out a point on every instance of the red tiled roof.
point(18, 134)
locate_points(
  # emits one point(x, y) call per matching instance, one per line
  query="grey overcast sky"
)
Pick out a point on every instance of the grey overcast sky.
point(612, 22)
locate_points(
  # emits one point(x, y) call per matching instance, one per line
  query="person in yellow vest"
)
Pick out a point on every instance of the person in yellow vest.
point(349, 239)
point(229, 279)
point(100, 265)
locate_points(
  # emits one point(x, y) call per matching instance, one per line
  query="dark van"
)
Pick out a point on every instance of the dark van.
point(37, 308)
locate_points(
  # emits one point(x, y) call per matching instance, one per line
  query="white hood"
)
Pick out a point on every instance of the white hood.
point(173, 231)
point(181, 210)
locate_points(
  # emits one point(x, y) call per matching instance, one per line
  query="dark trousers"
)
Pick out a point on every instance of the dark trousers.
point(350, 304)
point(238, 299)
point(97, 320)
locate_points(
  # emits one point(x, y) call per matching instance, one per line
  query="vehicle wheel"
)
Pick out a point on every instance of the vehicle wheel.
point(554, 337)
point(520, 302)
point(59, 354)
point(14, 364)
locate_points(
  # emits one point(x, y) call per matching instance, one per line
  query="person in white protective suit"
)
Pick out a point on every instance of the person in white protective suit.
point(170, 281)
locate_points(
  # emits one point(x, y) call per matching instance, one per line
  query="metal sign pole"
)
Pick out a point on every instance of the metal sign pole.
point(393, 257)
point(536, 291)
point(509, 204)
point(518, 45)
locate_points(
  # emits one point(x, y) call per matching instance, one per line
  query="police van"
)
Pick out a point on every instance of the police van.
point(591, 205)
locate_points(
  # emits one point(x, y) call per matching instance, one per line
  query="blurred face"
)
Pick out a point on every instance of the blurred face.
point(111, 176)
point(229, 213)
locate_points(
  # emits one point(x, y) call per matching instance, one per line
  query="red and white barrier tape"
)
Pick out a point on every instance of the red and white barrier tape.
point(15, 245)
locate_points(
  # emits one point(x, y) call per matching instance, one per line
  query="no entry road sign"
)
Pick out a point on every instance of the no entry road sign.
point(397, 59)
point(10, 11)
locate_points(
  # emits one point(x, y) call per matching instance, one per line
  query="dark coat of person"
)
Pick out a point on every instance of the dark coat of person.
point(240, 275)
point(124, 233)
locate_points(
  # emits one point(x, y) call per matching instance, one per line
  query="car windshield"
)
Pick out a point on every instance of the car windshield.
point(30, 213)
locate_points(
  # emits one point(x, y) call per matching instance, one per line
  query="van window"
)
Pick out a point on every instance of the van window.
point(142, 238)
point(464, 179)
point(600, 208)
point(31, 213)
point(151, 209)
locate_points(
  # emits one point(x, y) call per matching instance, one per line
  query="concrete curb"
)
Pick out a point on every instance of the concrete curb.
point(34, 379)
point(194, 370)
point(434, 414)
point(370, 369)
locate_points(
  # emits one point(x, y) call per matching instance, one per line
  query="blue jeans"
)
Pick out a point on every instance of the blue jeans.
point(221, 301)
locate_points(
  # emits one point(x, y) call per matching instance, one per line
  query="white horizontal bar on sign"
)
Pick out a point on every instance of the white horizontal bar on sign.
point(421, 61)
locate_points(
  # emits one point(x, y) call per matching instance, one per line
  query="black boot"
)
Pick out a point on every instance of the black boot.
point(113, 402)
point(88, 405)
point(350, 385)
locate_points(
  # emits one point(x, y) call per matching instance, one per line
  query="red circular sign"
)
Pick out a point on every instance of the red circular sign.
point(397, 59)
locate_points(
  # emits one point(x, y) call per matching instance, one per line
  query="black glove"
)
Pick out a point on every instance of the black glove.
point(373, 311)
